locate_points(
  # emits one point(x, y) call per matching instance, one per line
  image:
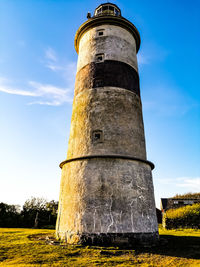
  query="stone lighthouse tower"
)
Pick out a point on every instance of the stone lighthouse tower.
point(106, 193)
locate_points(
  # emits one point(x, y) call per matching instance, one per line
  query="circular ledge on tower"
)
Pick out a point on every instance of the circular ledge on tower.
point(113, 156)
point(112, 20)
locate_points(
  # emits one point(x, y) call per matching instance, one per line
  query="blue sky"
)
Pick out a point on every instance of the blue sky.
point(37, 74)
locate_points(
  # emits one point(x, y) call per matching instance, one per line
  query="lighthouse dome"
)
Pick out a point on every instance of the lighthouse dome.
point(107, 9)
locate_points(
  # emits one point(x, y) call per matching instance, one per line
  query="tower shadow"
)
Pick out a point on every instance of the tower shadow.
point(175, 246)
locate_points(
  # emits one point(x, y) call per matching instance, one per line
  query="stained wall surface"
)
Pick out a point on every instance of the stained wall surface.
point(117, 44)
point(114, 111)
point(105, 195)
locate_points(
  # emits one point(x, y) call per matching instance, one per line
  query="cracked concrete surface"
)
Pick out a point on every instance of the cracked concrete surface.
point(105, 196)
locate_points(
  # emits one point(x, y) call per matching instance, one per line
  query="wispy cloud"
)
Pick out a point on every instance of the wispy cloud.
point(63, 67)
point(168, 187)
point(43, 93)
point(46, 94)
point(14, 91)
point(50, 54)
point(143, 59)
point(17, 91)
point(189, 183)
point(54, 67)
point(55, 95)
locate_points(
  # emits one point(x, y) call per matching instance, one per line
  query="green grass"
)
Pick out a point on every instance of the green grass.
point(28, 247)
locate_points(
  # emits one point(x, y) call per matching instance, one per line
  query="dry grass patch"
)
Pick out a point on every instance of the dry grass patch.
point(29, 247)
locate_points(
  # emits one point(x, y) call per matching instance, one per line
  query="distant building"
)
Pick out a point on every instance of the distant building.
point(174, 203)
point(159, 215)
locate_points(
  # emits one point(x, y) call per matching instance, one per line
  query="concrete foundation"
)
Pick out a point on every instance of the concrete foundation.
point(102, 196)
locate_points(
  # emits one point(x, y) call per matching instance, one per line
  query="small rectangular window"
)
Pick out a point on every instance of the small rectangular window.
point(97, 136)
point(100, 33)
point(99, 58)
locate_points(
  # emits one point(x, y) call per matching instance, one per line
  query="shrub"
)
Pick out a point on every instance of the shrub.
point(183, 217)
point(187, 196)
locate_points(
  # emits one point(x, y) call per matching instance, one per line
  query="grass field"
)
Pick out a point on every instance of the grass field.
point(28, 247)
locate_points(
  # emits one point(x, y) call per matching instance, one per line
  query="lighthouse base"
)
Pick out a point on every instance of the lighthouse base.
point(107, 201)
point(113, 239)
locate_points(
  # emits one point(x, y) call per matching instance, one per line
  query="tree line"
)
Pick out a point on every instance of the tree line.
point(35, 213)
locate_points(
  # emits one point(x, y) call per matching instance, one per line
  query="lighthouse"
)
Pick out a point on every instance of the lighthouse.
point(106, 192)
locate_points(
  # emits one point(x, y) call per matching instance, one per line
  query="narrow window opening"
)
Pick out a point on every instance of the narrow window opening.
point(100, 33)
point(97, 136)
point(99, 57)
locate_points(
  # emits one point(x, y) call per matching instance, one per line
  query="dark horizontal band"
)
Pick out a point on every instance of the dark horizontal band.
point(120, 239)
point(113, 156)
point(107, 73)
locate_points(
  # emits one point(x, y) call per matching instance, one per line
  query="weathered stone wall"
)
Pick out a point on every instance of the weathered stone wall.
point(114, 111)
point(106, 196)
point(117, 44)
